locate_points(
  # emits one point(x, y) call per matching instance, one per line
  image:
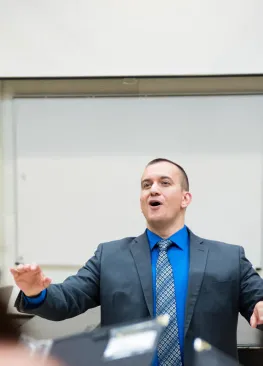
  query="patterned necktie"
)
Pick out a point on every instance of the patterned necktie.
point(168, 348)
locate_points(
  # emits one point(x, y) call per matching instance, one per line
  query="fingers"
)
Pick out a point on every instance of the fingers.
point(260, 312)
point(257, 316)
point(14, 272)
point(31, 269)
point(47, 281)
point(23, 268)
point(35, 267)
point(253, 321)
point(17, 271)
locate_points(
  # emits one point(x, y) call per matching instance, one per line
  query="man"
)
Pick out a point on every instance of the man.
point(201, 284)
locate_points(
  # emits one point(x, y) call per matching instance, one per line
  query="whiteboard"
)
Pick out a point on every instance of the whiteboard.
point(79, 162)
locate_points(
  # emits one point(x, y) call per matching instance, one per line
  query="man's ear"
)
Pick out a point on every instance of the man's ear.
point(187, 199)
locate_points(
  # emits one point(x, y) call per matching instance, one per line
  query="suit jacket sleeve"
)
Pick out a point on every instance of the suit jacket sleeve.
point(251, 287)
point(74, 296)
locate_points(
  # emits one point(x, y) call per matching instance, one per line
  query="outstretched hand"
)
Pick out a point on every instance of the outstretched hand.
point(257, 316)
point(30, 279)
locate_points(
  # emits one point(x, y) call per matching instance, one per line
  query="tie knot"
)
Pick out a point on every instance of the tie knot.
point(164, 244)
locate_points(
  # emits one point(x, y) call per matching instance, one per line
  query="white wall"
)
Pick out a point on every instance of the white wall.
point(127, 38)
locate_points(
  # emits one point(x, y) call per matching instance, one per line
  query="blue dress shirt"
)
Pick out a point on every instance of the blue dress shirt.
point(178, 255)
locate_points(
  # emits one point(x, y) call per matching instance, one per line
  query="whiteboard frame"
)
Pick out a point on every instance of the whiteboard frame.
point(113, 87)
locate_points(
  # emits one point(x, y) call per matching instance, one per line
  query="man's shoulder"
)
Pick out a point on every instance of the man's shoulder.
point(216, 244)
point(122, 243)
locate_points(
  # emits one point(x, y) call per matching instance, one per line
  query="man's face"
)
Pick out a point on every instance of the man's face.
point(162, 196)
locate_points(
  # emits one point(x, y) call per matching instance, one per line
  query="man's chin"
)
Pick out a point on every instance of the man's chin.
point(156, 220)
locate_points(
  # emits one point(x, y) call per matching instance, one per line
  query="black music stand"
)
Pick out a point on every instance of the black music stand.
point(207, 355)
point(124, 345)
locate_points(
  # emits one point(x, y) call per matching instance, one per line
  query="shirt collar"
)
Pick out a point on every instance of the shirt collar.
point(180, 238)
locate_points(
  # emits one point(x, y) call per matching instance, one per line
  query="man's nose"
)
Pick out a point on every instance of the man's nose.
point(155, 189)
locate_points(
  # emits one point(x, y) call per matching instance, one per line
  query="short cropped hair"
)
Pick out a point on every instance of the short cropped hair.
point(184, 177)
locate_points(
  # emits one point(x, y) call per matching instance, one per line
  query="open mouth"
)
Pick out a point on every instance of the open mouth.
point(155, 203)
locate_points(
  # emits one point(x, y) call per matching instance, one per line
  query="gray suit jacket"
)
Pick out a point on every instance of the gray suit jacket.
point(118, 277)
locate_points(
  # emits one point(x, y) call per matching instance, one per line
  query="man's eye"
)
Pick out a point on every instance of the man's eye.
point(166, 183)
point(146, 185)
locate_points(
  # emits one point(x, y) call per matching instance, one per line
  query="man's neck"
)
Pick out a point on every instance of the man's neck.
point(165, 232)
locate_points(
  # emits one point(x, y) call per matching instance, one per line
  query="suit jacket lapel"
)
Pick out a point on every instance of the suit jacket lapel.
point(198, 257)
point(141, 253)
